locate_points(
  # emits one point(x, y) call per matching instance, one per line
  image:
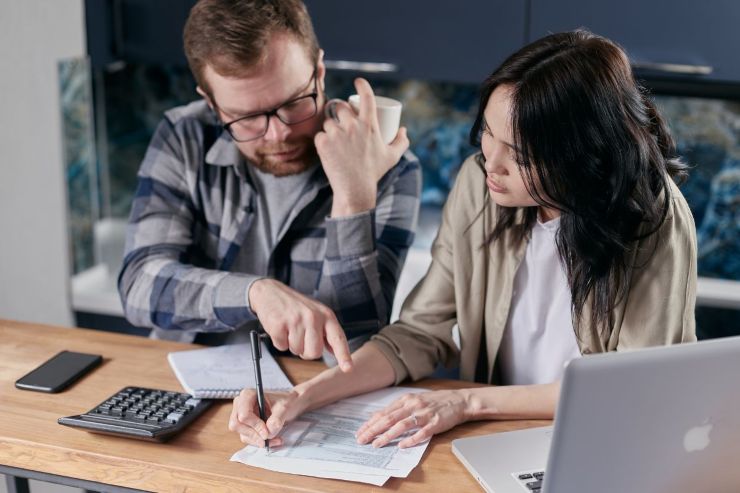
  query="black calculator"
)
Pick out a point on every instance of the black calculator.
point(145, 414)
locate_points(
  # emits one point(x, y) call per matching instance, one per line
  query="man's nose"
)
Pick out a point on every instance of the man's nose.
point(277, 131)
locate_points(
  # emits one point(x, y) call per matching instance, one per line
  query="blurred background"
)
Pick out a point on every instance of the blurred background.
point(85, 83)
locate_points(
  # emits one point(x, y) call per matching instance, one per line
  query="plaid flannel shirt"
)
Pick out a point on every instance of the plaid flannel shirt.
point(193, 207)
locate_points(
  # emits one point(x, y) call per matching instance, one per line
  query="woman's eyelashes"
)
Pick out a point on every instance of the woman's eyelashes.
point(486, 130)
point(516, 156)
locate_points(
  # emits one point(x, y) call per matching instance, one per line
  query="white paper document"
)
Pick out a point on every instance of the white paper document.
point(322, 443)
point(221, 372)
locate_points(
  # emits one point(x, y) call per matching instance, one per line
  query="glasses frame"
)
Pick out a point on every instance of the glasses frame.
point(274, 111)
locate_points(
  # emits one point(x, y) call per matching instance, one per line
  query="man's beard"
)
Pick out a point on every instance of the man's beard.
point(266, 163)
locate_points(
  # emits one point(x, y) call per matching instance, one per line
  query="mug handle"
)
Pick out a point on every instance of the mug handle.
point(329, 109)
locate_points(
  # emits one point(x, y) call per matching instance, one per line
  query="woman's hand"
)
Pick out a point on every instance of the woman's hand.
point(431, 412)
point(281, 407)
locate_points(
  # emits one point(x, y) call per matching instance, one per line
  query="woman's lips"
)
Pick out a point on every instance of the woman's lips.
point(493, 186)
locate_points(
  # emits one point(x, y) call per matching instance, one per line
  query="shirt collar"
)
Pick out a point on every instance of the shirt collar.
point(224, 152)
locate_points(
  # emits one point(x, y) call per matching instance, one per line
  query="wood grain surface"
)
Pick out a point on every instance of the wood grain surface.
point(197, 460)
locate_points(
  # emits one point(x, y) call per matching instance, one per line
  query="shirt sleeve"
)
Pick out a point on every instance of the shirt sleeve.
point(365, 252)
point(158, 287)
point(422, 337)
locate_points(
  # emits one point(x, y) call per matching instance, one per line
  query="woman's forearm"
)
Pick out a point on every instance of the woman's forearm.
point(512, 402)
point(371, 370)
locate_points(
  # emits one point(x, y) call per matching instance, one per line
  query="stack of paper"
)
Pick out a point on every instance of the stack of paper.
point(322, 443)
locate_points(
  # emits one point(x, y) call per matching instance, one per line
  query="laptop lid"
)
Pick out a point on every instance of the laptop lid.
point(657, 420)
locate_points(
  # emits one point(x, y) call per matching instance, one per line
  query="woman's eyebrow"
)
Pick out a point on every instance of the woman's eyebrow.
point(488, 128)
point(513, 147)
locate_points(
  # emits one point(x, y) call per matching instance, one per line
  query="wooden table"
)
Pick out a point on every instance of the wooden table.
point(33, 445)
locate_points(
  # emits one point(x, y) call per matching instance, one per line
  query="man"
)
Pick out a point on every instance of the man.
point(251, 206)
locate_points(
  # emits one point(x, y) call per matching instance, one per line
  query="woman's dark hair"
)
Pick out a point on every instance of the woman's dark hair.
point(593, 147)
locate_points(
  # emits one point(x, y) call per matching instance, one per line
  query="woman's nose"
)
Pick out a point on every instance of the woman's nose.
point(495, 165)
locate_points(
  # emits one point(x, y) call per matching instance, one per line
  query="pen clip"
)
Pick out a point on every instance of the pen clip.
point(254, 338)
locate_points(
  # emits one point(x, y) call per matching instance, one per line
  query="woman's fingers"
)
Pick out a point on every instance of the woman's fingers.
point(256, 441)
point(379, 423)
point(405, 425)
point(424, 434)
point(243, 417)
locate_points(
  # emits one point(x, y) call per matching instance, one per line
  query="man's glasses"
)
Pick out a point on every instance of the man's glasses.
point(292, 112)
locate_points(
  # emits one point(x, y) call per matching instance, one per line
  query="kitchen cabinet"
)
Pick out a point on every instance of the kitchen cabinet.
point(681, 39)
point(426, 39)
point(457, 41)
point(437, 40)
point(136, 31)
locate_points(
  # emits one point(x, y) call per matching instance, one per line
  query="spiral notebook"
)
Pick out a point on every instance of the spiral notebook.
point(222, 372)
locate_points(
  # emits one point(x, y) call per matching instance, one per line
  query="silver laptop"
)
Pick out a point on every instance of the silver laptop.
point(658, 420)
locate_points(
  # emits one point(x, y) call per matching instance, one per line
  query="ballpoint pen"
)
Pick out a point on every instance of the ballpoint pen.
point(254, 338)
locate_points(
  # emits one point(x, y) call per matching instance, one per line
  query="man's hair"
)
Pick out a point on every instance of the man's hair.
point(231, 35)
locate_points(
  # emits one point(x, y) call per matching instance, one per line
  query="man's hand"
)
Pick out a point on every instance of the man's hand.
point(354, 155)
point(296, 322)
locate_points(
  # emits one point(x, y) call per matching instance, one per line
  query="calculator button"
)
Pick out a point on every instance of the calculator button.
point(191, 402)
point(174, 417)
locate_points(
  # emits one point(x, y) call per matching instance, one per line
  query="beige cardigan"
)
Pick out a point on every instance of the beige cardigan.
point(471, 285)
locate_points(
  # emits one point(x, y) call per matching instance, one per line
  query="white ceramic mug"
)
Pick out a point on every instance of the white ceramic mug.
point(389, 115)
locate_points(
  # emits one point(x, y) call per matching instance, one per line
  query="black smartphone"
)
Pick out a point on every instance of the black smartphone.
point(59, 372)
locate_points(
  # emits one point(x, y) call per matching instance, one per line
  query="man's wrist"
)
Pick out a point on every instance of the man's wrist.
point(343, 206)
point(255, 292)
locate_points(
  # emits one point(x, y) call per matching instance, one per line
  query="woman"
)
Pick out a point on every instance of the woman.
point(564, 236)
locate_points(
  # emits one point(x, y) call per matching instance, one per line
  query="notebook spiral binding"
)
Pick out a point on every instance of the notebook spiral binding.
point(216, 393)
point(227, 393)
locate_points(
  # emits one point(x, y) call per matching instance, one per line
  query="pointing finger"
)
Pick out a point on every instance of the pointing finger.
point(337, 341)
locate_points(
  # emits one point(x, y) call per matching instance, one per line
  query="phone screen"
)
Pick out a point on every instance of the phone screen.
point(59, 372)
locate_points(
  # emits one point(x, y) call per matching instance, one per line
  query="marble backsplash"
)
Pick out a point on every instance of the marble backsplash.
point(130, 102)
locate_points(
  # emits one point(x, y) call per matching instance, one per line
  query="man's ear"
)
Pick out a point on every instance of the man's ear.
point(320, 70)
point(205, 96)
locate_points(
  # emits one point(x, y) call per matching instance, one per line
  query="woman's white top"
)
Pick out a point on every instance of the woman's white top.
point(539, 338)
